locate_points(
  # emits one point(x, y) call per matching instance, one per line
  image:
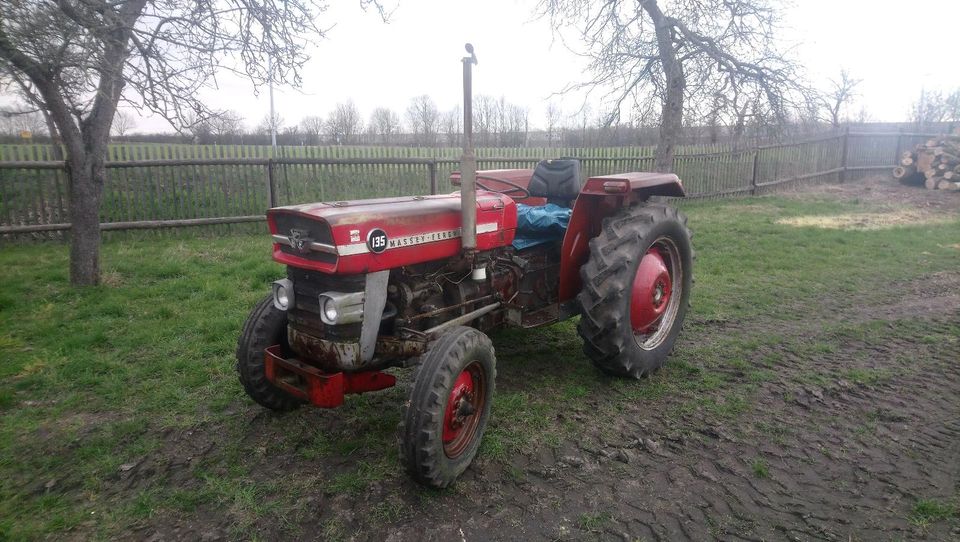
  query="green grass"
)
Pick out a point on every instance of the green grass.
point(927, 511)
point(594, 522)
point(95, 378)
point(760, 468)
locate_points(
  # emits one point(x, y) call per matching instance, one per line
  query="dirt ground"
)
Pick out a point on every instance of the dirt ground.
point(837, 445)
point(882, 190)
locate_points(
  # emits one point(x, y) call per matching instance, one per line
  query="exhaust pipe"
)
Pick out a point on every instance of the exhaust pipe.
point(468, 162)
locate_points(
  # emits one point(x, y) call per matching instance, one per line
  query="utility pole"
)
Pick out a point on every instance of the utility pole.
point(273, 118)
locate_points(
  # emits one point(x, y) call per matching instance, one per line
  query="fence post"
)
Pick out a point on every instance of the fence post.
point(843, 154)
point(896, 158)
point(271, 191)
point(756, 168)
point(432, 167)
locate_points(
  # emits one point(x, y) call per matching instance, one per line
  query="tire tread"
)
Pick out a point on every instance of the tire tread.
point(260, 331)
point(605, 279)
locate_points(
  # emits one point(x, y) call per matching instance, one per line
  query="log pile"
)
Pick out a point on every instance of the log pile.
point(934, 164)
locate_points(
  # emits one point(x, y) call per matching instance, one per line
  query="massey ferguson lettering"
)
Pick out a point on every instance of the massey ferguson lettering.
point(419, 239)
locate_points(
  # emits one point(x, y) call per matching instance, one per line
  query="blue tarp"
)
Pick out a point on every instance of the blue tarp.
point(540, 224)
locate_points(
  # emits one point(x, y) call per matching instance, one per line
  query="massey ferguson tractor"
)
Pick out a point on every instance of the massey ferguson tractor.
point(420, 280)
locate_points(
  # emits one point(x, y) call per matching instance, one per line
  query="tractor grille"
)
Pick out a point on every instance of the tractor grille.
point(307, 287)
point(315, 230)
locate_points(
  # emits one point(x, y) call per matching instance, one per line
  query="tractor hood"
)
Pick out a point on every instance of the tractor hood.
point(362, 236)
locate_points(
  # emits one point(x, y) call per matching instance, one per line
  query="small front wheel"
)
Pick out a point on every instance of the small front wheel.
point(265, 327)
point(449, 407)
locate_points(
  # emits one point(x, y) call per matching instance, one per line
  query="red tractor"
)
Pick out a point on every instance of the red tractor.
point(397, 282)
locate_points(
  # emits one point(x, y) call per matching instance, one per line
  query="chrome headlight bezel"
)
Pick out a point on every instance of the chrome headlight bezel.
point(283, 295)
point(347, 308)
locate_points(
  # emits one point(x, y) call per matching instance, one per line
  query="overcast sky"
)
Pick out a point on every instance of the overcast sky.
point(895, 47)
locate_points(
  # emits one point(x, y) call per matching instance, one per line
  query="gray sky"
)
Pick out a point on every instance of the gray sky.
point(417, 52)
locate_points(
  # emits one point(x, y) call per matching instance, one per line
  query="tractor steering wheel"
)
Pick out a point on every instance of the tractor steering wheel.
point(514, 187)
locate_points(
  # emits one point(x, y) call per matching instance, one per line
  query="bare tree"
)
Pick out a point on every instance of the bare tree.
point(293, 134)
point(76, 59)
point(930, 109)
point(713, 117)
point(451, 124)
point(951, 106)
point(26, 91)
point(839, 96)
point(516, 125)
point(553, 115)
point(745, 108)
point(424, 120)
point(198, 127)
point(20, 118)
point(500, 119)
point(270, 124)
point(313, 126)
point(123, 122)
point(677, 52)
point(485, 119)
point(583, 124)
point(384, 124)
point(935, 107)
point(226, 126)
point(344, 123)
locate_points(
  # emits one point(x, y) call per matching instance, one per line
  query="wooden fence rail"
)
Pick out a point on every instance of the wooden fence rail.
point(144, 192)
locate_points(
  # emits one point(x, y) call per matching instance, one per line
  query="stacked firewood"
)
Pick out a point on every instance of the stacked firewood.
point(934, 164)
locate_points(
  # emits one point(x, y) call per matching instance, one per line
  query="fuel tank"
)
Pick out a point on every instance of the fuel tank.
point(362, 236)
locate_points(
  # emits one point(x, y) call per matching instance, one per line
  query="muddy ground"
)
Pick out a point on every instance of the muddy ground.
point(834, 444)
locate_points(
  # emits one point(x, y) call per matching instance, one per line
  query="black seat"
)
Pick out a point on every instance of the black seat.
point(557, 180)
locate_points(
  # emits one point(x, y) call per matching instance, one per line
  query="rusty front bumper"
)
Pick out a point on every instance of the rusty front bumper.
point(335, 356)
point(325, 390)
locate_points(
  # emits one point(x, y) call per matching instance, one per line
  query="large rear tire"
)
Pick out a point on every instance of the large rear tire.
point(265, 327)
point(636, 289)
point(449, 407)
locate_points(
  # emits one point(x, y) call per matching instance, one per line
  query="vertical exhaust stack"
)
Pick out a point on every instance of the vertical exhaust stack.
point(468, 164)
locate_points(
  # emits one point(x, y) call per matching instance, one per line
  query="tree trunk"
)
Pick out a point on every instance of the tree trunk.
point(671, 117)
point(86, 189)
point(714, 129)
point(55, 142)
point(85, 136)
point(671, 124)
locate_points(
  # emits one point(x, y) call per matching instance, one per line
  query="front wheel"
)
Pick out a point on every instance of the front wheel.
point(449, 407)
point(265, 327)
point(636, 289)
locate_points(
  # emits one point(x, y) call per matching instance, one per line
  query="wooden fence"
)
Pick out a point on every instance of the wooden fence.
point(172, 191)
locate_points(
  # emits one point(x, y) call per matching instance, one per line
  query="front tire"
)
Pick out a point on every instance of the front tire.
point(449, 407)
point(265, 327)
point(636, 289)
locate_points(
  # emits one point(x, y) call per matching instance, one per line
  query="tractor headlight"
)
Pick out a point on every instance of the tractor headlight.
point(329, 309)
point(283, 294)
point(341, 308)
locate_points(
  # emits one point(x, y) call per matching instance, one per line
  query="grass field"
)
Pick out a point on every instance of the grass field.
point(120, 409)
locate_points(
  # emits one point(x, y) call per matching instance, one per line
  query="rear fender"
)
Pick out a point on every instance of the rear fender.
point(600, 198)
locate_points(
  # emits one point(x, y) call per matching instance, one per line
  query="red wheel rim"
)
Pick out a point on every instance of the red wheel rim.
point(464, 409)
point(655, 293)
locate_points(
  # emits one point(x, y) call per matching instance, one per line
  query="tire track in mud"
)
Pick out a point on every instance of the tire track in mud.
point(844, 460)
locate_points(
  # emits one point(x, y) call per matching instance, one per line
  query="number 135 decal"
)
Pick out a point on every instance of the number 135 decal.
point(377, 240)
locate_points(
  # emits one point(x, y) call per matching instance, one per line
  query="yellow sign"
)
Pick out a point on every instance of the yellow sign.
point(26, 134)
